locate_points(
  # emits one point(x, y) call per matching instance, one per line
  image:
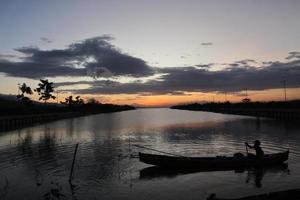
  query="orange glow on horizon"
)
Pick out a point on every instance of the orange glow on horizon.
point(190, 97)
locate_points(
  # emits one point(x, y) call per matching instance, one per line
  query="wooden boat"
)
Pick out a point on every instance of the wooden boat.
point(236, 161)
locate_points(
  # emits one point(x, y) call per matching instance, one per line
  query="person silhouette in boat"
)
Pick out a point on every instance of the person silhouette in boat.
point(257, 148)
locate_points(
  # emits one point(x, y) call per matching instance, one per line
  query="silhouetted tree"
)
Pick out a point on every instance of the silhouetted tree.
point(79, 101)
point(44, 90)
point(246, 100)
point(70, 101)
point(93, 101)
point(24, 90)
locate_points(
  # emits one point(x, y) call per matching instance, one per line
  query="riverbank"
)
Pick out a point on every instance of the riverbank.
point(275, 110)
point(19, 121)
point(15, 115)
point(12, 122)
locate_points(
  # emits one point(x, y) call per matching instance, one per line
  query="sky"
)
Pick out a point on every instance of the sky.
point(153, 53)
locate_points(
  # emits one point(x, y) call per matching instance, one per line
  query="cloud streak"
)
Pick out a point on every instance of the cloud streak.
point(206, 43)
point(46, 40)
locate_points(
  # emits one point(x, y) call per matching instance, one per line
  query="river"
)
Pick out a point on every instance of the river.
point(35, 161)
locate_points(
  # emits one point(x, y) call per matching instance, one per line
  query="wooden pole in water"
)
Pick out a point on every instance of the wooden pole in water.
point(129, 144)
point(73, 163)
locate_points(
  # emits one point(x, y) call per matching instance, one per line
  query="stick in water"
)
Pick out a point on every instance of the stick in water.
point(129, 145)
point(246, 148)
point(73, 163)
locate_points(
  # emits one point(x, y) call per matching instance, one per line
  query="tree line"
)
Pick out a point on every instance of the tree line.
point(45, 91)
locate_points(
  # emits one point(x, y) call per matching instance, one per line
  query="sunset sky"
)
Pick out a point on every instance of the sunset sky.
point(153, 53)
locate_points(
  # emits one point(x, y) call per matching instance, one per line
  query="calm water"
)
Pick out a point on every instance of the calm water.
point(35, 162)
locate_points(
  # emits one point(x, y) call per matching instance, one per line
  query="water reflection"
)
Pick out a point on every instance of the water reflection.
point(254, 175)
point(36, 161)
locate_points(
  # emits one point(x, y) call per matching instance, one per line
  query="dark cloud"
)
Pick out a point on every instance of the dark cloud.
point(193, 79)
point(36, 70)
point(59, 84)
point(206, 43)
point(7, 56)
point(247, 63)
point(179, 93)
point(267, 62)
point(98, 83)
point(96, 57)
point(46, 40)
point(293, 55)
point(205, 66)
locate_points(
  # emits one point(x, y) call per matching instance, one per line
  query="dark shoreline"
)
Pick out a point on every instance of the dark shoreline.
point(43, 114)
point(289, 111)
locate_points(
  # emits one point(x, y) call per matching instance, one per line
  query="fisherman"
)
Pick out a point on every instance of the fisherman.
point(257, 148)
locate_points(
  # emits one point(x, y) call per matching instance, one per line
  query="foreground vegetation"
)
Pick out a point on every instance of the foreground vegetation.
point(10, 107)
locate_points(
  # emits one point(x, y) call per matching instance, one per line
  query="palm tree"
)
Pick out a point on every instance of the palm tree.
point(68, 101)
point(24, 90)
point(79, 101)
point(44, 90)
